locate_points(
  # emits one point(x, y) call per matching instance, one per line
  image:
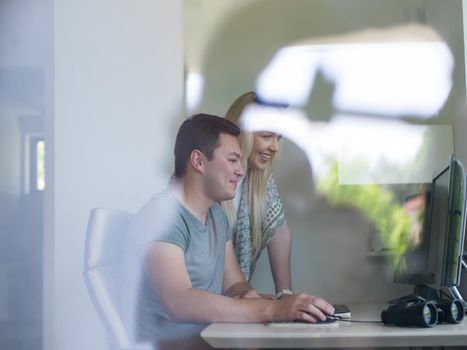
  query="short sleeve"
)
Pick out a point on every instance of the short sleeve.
point(160, 220)
point(176, 233)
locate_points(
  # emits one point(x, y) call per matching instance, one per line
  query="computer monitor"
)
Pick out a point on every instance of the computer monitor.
point(437, 261)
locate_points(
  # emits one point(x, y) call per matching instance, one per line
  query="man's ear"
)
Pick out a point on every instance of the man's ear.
point(198, 160)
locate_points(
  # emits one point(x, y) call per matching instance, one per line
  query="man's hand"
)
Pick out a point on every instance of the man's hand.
point(302, 307)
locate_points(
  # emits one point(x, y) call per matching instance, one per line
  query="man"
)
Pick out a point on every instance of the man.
point(191, 276)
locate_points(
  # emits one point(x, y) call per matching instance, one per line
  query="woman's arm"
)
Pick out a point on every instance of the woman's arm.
point(279, 250)
point(235, 285)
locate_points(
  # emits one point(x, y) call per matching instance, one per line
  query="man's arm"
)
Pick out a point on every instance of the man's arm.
point(279, 250)
point(165, 268)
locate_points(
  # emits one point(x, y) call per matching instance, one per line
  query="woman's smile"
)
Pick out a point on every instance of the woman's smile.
point(265, 146)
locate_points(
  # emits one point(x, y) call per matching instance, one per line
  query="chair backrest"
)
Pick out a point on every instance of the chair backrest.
point(102, 270)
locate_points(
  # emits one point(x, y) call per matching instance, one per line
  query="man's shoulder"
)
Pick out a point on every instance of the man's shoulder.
point(159, 200)
point(160, 219)
point(161, 208)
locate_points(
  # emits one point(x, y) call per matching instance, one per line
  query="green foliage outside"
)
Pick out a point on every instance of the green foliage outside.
point(380, 207)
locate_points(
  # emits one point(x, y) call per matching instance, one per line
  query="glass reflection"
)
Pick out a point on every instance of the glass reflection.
point(384, 72)
point(370, 118)
point(370, 79)
point(25, 55)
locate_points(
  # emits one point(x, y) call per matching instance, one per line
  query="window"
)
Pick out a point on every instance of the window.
point(37, 164)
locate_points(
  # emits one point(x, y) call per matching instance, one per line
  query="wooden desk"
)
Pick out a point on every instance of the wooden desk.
point(334, 335)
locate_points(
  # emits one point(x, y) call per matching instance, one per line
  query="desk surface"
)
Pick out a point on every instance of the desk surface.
point(334, 335)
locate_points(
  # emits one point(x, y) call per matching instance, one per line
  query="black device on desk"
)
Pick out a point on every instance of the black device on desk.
point(436, 262)
point(341, 312)
point(414, 310)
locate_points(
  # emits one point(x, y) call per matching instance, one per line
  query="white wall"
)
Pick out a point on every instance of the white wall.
point(118, 71)
point(449, 21)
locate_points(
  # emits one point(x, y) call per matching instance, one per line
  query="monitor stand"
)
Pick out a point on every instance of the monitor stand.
point(454, 290)
point(430, 293)
point(426, 292)
point(455, 293)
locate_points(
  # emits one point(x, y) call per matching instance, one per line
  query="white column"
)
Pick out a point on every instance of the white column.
point(118, 93)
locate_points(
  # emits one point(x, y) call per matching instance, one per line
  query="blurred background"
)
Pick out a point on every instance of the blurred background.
point(92, 93)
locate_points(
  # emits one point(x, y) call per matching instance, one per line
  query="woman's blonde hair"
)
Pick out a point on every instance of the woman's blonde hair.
point(257, 179)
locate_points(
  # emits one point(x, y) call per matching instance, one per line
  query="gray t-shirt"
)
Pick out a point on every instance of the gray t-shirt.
point(165, 219)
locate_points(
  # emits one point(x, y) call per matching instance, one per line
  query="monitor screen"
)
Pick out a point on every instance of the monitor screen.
point(411, 268)
point(455, 228)
point(438, 227)
point(437, 259)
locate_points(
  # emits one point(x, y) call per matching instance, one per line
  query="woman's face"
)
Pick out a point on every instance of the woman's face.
point(265, 146)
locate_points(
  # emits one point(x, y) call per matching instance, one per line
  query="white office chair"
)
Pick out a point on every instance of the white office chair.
point(103, 270)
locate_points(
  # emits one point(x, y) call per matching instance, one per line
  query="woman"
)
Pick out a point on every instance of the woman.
point(256, 213)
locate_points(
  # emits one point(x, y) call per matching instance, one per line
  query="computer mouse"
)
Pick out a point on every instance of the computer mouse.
point(329, 319)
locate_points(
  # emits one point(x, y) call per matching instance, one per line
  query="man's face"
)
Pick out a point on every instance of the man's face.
point(224, 169)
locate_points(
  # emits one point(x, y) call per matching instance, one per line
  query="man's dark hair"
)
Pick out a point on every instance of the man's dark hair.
point(200, 132)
